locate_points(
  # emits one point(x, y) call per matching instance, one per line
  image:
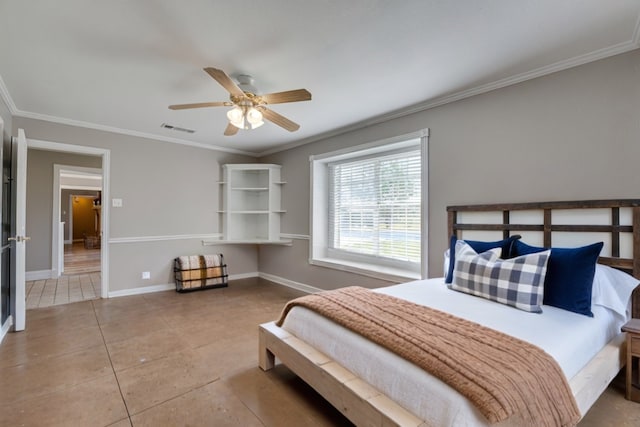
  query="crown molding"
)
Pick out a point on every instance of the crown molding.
point(129, 132)
point(620, 48)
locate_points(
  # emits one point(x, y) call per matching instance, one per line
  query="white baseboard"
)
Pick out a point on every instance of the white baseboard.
point(38, 275)
point(290, 283)
point(143, 290)
point(6, 327)
point(168, 286)
point(243, 276)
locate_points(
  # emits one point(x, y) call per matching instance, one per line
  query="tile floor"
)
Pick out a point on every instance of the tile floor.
point(63, 290)
point(80, 281)
point(168, 359)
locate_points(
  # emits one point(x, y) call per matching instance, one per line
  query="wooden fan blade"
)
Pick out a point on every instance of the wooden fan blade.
point(288, 96)
point(230, 130)
point(200, 105)
point(225, 81)
point(280, 120)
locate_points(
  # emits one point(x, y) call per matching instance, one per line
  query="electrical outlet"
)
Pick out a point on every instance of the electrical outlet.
point(146, 275)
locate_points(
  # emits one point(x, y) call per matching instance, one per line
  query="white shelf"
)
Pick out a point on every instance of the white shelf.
point(251, 204)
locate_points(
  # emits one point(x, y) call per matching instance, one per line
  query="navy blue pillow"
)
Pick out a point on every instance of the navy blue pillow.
point(569, 279)
point(479, 247)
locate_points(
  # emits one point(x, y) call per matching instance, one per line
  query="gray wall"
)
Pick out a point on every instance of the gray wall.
point(570, 135)
point(167, 190)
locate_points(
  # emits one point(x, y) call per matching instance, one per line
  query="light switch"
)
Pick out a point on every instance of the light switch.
point(116, 203)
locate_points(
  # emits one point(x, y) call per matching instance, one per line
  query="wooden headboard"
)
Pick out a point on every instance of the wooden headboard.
point(547, 227)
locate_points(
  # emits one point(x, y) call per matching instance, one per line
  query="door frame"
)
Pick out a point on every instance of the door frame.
point(105, 154)
point(18, 256)
point(56, 244)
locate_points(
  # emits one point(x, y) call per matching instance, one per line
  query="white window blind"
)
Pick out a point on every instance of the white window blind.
point(374, 206)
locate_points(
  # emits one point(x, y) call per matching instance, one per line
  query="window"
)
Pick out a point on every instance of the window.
point(367, 208)
point(374, 207)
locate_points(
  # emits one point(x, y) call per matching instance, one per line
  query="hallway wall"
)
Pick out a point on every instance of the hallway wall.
point(84, 217)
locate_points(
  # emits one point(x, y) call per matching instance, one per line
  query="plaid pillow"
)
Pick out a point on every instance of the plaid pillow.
point(517, 282)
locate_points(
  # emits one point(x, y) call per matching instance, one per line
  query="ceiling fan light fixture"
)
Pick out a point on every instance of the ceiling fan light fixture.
point(249, 110)
point(235, 115)
point(254, 117)
point(244, 117)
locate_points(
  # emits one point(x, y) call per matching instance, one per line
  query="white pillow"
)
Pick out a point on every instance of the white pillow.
point(447, 260)
point(612, 289)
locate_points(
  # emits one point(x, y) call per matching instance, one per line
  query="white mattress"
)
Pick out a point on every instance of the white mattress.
point(571, 339)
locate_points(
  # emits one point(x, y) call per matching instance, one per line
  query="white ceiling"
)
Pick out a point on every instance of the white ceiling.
point(117, 65)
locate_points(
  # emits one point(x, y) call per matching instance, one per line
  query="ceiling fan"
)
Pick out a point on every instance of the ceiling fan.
point(249, 109)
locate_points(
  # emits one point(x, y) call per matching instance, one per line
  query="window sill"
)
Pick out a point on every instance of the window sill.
point(376, 271)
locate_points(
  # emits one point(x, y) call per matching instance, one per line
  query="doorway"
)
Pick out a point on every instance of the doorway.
point(82, 236)
point(76, 239)
point(80, 210)
point(83, 273)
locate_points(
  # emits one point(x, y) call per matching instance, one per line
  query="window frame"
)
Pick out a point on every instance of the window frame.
point(319, 252)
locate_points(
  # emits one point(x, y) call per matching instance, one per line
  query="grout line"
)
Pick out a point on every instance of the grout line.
point(40, 296)
point(180, 395)
point(104, 341)
point(118, 381)
point(29, 288)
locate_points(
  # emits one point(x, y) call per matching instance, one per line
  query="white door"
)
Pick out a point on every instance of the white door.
point(20, 239)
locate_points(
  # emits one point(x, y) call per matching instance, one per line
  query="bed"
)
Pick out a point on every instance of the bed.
point(330, 358)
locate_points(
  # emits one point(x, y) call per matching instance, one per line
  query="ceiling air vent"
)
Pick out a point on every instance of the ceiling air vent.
point(176, 128)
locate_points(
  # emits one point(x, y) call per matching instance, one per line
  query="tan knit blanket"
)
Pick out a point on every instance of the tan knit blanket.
point(196, 271)
point(501, 375)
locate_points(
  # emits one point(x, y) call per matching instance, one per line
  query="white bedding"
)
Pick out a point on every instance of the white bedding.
point(571, 339)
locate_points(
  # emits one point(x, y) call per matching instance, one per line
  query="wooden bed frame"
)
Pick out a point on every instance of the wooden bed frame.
point(364, 405)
